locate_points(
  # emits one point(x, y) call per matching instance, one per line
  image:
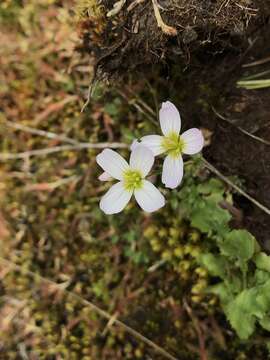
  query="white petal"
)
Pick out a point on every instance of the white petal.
point(149, 197)
point(193, 141)
point(172, 171)
point(154, 143)
point(169, 118)
point(134, 144)
point(115, 199)
point(104, 177)
point(112, 163)
point(142, 159)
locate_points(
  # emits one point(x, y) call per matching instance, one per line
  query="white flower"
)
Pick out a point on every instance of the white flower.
point(131, 180)
point(173, 144)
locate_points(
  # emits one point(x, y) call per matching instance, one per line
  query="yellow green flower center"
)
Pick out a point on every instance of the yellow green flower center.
point(133, 180)
point(173, 145)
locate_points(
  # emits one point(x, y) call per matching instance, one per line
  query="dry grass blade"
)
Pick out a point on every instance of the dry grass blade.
point(258, 62)
point(55, 149)
point(241, 129)
point(95, 308)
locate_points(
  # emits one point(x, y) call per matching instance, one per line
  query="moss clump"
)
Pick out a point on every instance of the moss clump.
point(90, 14)
point(179, 245)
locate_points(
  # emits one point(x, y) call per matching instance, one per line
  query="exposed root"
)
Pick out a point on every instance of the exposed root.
point(168, 30)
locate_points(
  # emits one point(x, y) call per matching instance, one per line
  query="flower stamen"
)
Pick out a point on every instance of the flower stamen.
point(173, 145)
point(133, 180)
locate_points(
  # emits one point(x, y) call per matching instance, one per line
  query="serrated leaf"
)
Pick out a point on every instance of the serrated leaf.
point(242, 323)
point(238, 244)
point(262, 261)
point(240, 313)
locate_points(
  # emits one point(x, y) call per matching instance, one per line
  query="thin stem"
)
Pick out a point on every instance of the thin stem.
point(235, 187)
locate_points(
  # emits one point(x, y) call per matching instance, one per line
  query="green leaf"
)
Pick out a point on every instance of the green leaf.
point(209, 216)
point(265, 323)
point(261, 276)
point(263, 296)
point(248, 307)
point(242, 323)
point(238, 244)
point(215, 264)
point(223, 291)
point(240, 313)
point(212, 186)
point(262, 261)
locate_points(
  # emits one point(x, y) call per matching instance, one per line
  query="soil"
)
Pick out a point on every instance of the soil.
point(139, 33)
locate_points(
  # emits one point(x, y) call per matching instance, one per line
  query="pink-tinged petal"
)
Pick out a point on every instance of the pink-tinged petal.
point(104, 177)
point(169, 118)
point(172, 172)
point(141, 159)
point(134, 144)
point(193, 141)
point(112, 163)
point(115, 199)
point(154, 143)
point(149, 197)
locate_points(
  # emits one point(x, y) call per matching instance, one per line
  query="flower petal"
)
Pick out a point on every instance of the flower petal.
point(142, 159)
point(172, 172)
point(115, 199)
point(169, 118)
point(149, 197)
point(104, 177)
point(112, 163)
point(154, 143)
point(193, 141)
point(134, 144)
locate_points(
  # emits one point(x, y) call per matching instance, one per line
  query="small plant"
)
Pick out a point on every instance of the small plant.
point(240, 270)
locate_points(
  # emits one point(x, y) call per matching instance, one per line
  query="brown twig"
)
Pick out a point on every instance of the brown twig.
point(47, 134)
